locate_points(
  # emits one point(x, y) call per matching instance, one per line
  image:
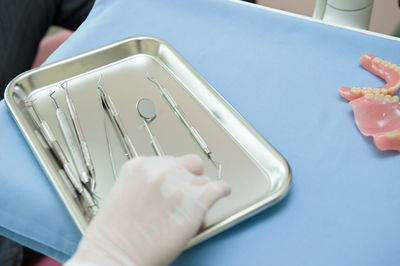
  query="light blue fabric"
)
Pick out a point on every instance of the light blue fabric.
point(282, 74)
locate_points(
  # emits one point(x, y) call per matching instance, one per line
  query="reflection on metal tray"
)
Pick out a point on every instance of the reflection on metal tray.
point(134, 72)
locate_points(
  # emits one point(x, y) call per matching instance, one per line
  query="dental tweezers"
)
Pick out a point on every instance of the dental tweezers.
point(181, 115)
point(116, 119)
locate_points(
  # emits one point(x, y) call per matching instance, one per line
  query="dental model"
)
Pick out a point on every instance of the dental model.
point(376, 110)
point(378, 115)
point(383, 69)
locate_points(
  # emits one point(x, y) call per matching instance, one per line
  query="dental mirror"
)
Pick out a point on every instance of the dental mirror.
point(146, 109)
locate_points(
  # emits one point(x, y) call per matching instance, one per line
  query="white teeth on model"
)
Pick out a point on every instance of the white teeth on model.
point(364, 91)
point(393, 134)
point(386, 64)
point(391, 99)
point(379, 97)
point(387, 97)
point(383, 91)
point(391, 66)
point(356, 91)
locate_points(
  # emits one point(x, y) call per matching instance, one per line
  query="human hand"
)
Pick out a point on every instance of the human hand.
point(156, 206)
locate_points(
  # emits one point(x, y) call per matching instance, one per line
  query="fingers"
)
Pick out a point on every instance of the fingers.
point(214, 191)
point(200, 180)
point(192, 162)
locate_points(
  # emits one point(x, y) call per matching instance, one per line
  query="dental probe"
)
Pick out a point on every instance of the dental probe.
point(69, 170)
point(112, 111)
point(57, 150)
point(109, 148)
point(72, 144)
point(179, 112)
point(81, 137)
point(147, 111)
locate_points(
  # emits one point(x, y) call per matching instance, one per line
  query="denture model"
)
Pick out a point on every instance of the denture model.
point(376, 110)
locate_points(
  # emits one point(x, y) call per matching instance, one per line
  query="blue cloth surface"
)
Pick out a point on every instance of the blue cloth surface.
point(282, 73)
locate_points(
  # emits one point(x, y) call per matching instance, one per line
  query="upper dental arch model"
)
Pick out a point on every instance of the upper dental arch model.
point(376, 110)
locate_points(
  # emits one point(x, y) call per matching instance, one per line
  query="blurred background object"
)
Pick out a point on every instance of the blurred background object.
point(356, 13)
point(385, 15)
point(53, 39)
point(23, 25)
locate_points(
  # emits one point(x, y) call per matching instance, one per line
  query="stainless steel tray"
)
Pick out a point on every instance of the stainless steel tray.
point(258, 174)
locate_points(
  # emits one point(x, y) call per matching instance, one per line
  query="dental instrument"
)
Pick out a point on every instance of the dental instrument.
point(181, 115)
point(55, 147)
point(88, 197)
point(72, 144)
point(117, 122)
point(109, 147)
point(147, 111)
point(81, 138)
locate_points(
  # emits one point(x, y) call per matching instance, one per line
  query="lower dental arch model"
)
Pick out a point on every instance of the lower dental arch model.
point(376, 110)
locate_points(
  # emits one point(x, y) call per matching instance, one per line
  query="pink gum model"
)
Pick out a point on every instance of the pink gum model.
point(378, 115)
point(381, 68)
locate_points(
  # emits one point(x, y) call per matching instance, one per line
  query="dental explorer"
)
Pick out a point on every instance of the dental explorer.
point(181, 115)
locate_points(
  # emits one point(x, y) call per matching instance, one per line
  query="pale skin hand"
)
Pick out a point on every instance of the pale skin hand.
point(156, 206)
